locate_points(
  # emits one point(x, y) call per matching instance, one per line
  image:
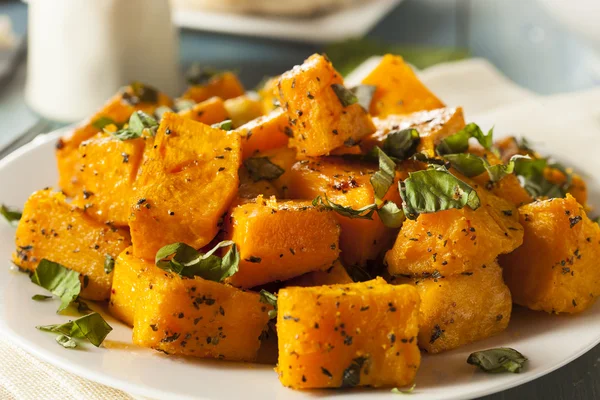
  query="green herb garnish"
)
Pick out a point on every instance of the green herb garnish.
point(383, 179)
point(109, 263)
point(459, 142)
point(391, 215)
point(362, 213)
point(186, 261)
point(261, 168)
point(364, 95)
point(12, 215)
point(40, 297)
point(138, 122)
point(401, 144)
point(435, 189)
point(59, 280)
point(140, 93)
point(226, 125)
point(91, 327)
point(196, 75)
point(346, 97)
point(502, 359)
point(271, 299)
point(103, 122)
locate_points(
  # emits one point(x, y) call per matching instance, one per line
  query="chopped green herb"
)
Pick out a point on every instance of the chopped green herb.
point(40, 297)
point(66, 341)
point(185, 261)
point(141, 93)
point(362, 213)
point(459, 142)
point(346, 97)
point(12, 215)
point(269, 298)
point(109, 263)
point(226, 125)
point(401, 144)
point(391, 215)
point(101, 122)
point(384, 178)
point(57, 279)
point(138, 122)
point(433, 190)
point(261, 168)
point(91, 327)
point(502, 359)
point(196, 75)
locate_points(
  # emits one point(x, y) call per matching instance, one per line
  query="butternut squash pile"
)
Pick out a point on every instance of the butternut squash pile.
point(359, 225)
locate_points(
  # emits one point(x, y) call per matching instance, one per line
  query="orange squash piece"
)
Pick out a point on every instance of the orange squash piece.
point(200, 318)
point(275, 244)
point(320, 122)
point(456, 241)
point(398, 89)
point(210, 111)
point(461, 309)
point(243, 109)
point(577, 189)
point(132, 276)
point(267, 95)
point(118, 109)
point(185, 187)
point(556, 268)
point(225, 85)
point(51, 228)
point(358, 334)
point(347, 183)
point(334, 275)
point(107, 174)
point(433, 126)
point(271, 131)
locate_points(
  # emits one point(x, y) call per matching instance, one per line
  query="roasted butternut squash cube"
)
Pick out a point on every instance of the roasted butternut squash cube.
point(267, 95)
point(320, 120)
point(433, 126)
point(398, 89)
point(461, 309)
point(347, 183)
point(577, 189)
point(456, 241)
point(334, 275)
point(264, 133)
point(243, 109)
point(358, 334)
point(275, 244)
point(185, 187)
point(118, 109)
point(107, 175)
point(556, 268)
point(210, 111)
point(225, 85)
point(51, 228)
point(200, 318)
point(284, 158)
point(131, 277)
point(251, 189)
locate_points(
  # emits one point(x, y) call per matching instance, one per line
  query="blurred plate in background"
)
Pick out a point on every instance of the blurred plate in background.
point(349, 21)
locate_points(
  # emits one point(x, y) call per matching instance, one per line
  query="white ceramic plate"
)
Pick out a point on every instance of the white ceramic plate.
point(346, 23)
point(548, 341)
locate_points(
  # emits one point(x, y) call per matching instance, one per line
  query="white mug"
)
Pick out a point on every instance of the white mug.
point(81, 51)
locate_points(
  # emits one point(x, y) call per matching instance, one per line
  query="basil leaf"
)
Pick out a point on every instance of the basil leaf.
point(384, 178)
point(12, 215)
point(140, 93)
point(391, 215)
point(466, 163)
point(224, 125)
point(102, 122)
point(362, 213)
point(59, 280)
point(66, 341)
point(499, 171)
point(186, 261)
point(82, 307)
point(459, 142)
point(261, 168)
point(40, 297)
point(138, 122)
point(346, 97)
point(433, 190)
point(364, 95)
point(502, 359)
point(109, 263)
point(196, 75)
point(401, 144)
point(531, 177)
point(184, 104)
point(430, 160)
point(271, 299)
point(404, 391)
point(91, 327)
